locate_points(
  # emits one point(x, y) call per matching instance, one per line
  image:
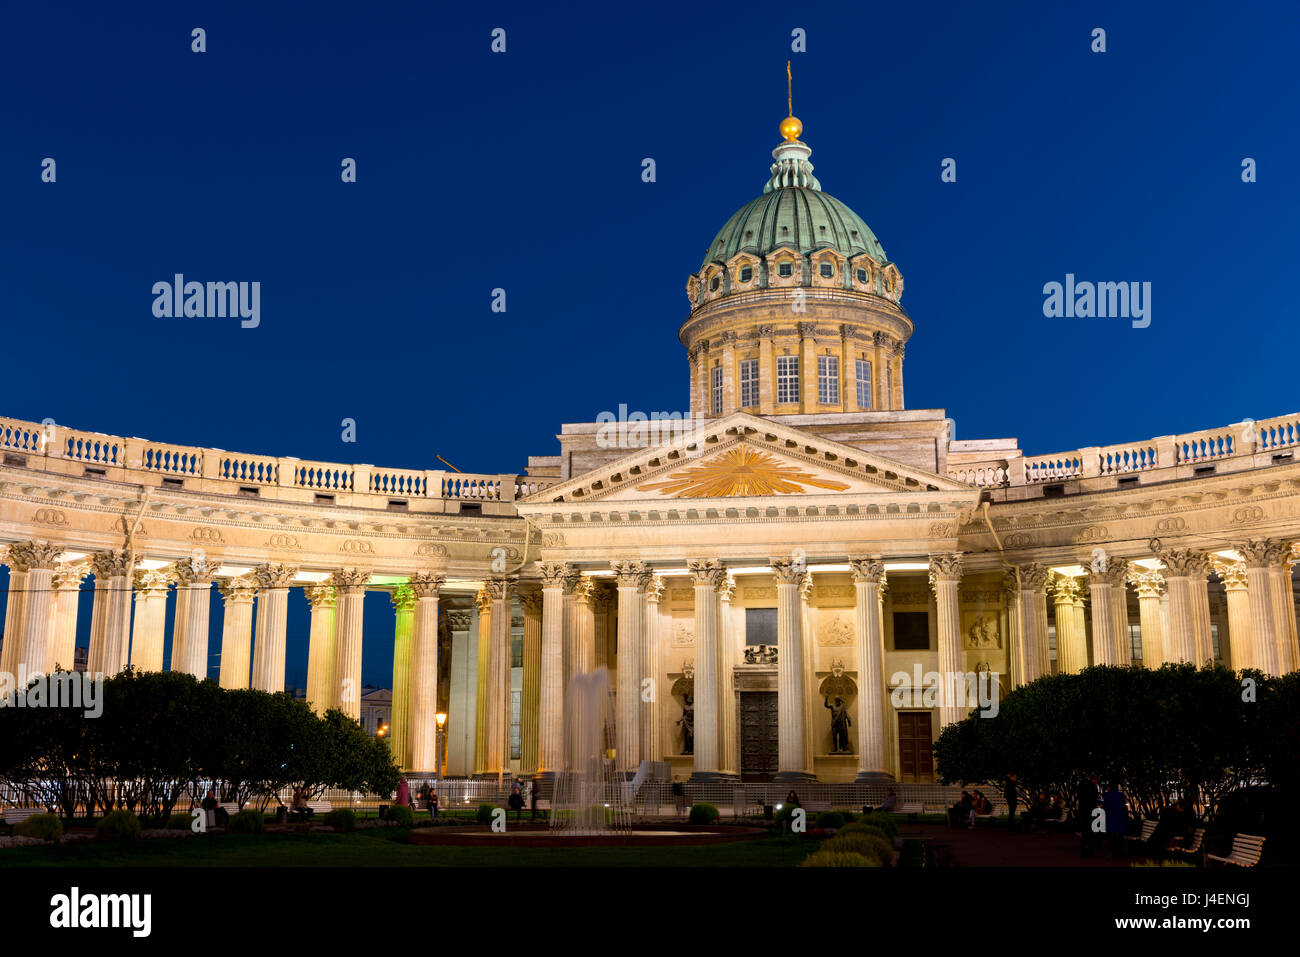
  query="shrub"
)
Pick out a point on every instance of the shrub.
point(119, 825)
point(869, 830)
point(830, 819)
point(703, 813)
point(830, 858)
point(880, 820)
point(849, 816)
point(247, 821)
point(868, 845)
point(342, 819)
point(401, 815)
point(45, 826)
point(484, 815)
point(180, 821)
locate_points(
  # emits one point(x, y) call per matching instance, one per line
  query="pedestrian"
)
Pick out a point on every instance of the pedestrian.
point(679, 794)
point(1010, 795)
point(534, 795)
point(1115, 807)
point(517, 802)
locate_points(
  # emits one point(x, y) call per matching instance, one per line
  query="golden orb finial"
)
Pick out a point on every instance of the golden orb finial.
point(790, 126)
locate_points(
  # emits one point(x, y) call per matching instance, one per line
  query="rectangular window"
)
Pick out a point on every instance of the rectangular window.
point(864, 384)
point(1214, 641)
point(1053, 666)
point(517, 651)
point(516, 736)
point(748, 383)
point(1135, 641)
point(760, 626)
point(828, 379)
point(717, 390)
point(787, 378)
point(911, 631)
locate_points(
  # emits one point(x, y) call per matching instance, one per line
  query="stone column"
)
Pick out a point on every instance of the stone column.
point(1033, 620)
point(350, 600)
point(945, 579)
point(423, 722)
point(67, 592)
point(15, 558)
point(793, 763)
point(1284, 608)
point(708, 575)
point(1150, 585)
point(1015, 653)
point(807, 589)
point(570, 579)
point(149, 633)
point(112, 626)
point(728, 734)
point(462, 708)
point(651, 744)
point(272, 623)
point(403, 601)
point(530, 600)
point(550, 697)
point(1235, 581)
point(1189, 609)
point(483, 645)
point(870, 634)
point(600, 614)
point(582, 651)
point(320, 644)
point(180, 616)
point(1071, 646)
point(1260, 556)
point(501, 593)
point(237, 638)
point(194, 579)
point(36, 639)
point(632, 578)
point(1105, 642)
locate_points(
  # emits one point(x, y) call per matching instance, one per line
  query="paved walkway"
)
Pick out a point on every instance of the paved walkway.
point(995, 846)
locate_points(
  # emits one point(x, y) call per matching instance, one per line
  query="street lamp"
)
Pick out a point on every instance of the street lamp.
point(441, 718)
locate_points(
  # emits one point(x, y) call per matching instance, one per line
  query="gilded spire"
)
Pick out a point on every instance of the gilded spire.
point(791, 167)
point(790, 126)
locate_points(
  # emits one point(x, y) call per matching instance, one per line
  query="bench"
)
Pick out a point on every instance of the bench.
point(911, 809)
point(314, 808)
point(817, 807)
point(1190, 845)
point(12, 815)
point(1246, 849)
point(1148, 828)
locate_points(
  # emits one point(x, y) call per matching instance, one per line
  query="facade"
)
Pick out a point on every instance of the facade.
point(772, 580)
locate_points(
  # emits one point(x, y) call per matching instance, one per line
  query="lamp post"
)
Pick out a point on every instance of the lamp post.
point(441, 719)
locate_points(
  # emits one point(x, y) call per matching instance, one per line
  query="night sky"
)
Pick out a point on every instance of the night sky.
point(522, 171)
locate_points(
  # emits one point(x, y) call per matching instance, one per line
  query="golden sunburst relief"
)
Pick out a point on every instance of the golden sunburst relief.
point(741, 471)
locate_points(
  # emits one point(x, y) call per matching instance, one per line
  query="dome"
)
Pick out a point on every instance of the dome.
point(802, 218)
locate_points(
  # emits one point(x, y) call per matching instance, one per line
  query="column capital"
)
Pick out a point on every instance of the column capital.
point(69, 575)
point(1108, 571)
point(582, 588)
point(1148, 582)
point(110, 564)
point(151, 584)
point(24, 556)
point(346, 581)
point(945, 568)
point(194, 571)
point(1181, 562)
point(530, 597)
point(272, 575)
point(654, 591)
point(707, 571)
point(242, 590)
point(871, 570)
point(1263, 552)
point(632, 574)
point(1233, 574)
point(806, 586)
point(427, 584)
point(787, 571)
point(727, 590)
point(1066, 589)
point(553, 574)
point(458, 619)
point(319, 594)
point(1034, 577)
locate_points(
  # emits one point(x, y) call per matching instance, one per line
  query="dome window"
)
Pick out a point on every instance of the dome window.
point(784, 270)
point(827, 270)
point(714, 283)
point(785, 230)
point(862, 275)
point(746, 273)
point(749, 234)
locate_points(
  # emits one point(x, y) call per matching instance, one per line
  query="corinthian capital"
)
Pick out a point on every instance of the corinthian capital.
point(1181, 562)
point(1034, 577)
point(243, 590)
point(151, 584)
point(274, 575)
point(707, 571)
point(632, 574)
point(427, 584)
point(111, 564)
point(1147, 582)
point(1233, 574)
point(870, 570)
point(319, 595)
point(788, 571)
point(1112, 571)
point(553, 574)
point(501, 588)
point(350, 581)
point(194, 571)
point(1066, 589)
point(945, 568)
point(1262, 552)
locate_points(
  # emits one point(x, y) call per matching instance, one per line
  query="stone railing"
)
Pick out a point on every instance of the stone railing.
point(57, 449)
point(1246, 444)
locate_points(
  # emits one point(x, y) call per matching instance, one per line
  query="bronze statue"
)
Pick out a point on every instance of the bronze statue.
point(840, 722)
point(687, 721)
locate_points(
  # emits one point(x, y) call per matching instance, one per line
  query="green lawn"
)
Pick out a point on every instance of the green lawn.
point(386, 847)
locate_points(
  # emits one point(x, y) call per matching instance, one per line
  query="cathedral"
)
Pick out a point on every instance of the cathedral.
point(799, 578)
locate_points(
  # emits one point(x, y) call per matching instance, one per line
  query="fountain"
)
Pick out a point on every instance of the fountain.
point(591, 797)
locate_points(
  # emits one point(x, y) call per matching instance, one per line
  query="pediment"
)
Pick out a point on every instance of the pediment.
point(744, 456)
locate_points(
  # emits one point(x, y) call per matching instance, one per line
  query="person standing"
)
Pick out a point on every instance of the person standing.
point(1115, 806)
point(679, 794)
point(1010, 796)
point(534, 794)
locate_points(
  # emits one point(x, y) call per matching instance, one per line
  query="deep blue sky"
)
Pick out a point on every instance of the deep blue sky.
point(522, 171)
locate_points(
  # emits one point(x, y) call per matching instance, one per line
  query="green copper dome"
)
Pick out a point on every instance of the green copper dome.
point(794, 217)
